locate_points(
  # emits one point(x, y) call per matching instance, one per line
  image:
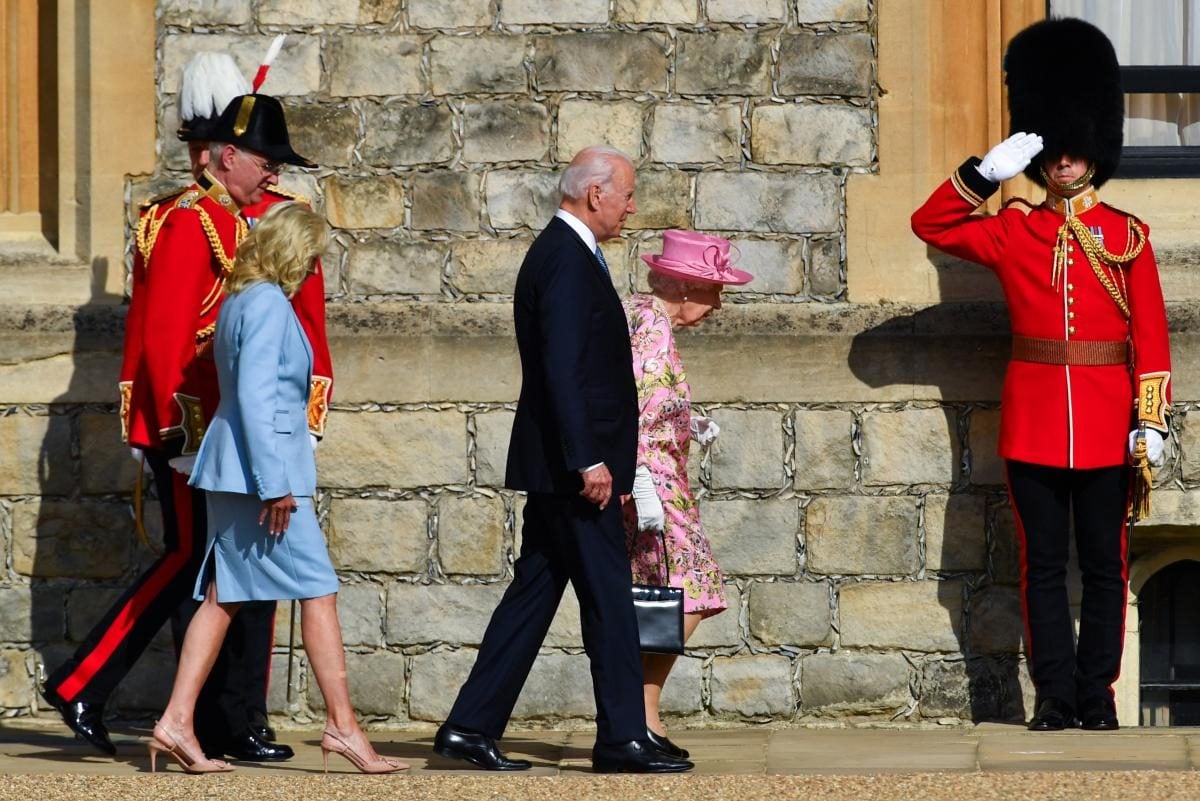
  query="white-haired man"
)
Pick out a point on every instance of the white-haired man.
point(573, 447)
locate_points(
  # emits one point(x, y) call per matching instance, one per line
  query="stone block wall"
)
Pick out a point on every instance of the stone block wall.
point(853, 498)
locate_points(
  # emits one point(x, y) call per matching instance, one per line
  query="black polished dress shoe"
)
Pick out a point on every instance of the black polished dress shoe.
point(1052, 715)
point(83, 718)
point(1098, 715)
point(635, 756)
point(664, 744)
point(263, 731)
point(478, 749)
point(247, 747)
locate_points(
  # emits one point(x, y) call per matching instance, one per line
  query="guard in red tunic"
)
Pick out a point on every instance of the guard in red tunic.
point(1090, 367)
point(185, 247)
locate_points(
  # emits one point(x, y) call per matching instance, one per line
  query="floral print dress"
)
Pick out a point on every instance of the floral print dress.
point(665, 402)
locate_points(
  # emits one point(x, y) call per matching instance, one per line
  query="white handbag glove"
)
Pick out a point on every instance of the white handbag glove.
point(1155, 449)
point(313, 440)
point(1009, 158)
point(183, 464)
point(650, 513)
point(704, 429)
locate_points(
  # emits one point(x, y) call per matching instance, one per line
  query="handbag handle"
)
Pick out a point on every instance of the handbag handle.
point(666, 574)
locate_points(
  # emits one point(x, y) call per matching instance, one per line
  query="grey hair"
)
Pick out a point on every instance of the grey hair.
point(592, 165)
point(214, 151)
point(670, 287)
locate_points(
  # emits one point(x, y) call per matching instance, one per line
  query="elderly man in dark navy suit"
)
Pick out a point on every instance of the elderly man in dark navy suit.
point(573, 448)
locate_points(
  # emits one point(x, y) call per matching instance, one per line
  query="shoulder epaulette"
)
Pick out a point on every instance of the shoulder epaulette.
point(279, 190)
point(189, 198)
point(162, 198)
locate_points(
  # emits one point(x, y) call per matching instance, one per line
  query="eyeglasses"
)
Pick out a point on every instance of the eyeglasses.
point(272, 167)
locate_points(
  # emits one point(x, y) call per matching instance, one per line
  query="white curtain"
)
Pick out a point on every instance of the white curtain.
point(1149, 33)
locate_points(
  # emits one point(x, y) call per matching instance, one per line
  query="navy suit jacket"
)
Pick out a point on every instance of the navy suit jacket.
point(578, 403)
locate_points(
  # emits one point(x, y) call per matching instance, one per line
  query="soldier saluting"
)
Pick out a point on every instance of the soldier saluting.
point(1090, 365)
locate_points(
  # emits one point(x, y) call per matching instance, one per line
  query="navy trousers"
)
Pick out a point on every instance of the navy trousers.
point(563, 539)
point(1043, 500)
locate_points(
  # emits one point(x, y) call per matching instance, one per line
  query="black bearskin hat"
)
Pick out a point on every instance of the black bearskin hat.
point(1064, 84)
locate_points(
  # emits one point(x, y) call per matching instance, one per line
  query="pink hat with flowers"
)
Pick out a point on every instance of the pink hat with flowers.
point(693, 256)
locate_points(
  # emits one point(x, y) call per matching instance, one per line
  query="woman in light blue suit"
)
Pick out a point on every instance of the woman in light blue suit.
point(257, 468)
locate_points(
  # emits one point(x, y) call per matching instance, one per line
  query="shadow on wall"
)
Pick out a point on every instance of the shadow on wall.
point(73, 533)
point(955, 354)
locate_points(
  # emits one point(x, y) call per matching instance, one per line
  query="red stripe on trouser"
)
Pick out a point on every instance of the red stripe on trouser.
point(1124, 586)
point(1024, 559)
point(164, 572)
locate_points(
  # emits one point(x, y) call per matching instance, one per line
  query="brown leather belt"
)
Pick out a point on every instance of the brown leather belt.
point(1075, 352)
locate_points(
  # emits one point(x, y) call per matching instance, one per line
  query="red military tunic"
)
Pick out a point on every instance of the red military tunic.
point(150, 218)
point(168, 375)
point(1063, 415)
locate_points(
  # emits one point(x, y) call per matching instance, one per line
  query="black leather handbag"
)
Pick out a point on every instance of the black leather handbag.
point(659, 612)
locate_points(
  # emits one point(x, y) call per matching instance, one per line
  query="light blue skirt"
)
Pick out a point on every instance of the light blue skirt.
point(249, 564)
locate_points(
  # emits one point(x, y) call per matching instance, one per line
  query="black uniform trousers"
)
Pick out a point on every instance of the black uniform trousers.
point(235, 693)
point(1043, 499)
point(564, 539)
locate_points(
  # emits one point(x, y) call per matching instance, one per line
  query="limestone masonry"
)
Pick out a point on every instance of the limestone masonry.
point(853, 498)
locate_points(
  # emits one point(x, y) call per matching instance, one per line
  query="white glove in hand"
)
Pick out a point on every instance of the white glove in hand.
point(1154, 446)
point(313, 440)
point(650, 514)
point(183, 464)
point(704, 429)
point(1009, 158)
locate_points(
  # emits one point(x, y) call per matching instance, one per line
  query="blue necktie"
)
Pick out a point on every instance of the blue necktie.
point(603, 263)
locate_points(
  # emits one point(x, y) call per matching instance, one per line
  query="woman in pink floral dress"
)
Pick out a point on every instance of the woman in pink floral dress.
point(685, 282)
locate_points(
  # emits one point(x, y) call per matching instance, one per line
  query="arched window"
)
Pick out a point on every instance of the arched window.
point(1169, 612)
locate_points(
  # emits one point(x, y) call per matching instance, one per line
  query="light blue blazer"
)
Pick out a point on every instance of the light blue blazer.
point(257, 442)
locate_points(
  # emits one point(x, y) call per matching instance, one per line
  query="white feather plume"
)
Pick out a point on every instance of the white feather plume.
point(207, 83)
point(273, 50)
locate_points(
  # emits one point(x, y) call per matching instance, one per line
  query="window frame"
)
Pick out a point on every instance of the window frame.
point(1160, 161)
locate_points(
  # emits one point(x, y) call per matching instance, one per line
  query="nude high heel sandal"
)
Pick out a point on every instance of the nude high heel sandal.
point(339, 746)
point(164, 742)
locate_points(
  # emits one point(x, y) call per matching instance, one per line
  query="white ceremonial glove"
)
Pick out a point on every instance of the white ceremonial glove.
point(650, 513)
point(183, 464)
point(313, 440)
point(704, 429)
point(1009, 158)
point(1155, 449)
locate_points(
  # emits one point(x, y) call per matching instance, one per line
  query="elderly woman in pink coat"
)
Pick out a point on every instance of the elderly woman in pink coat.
point(685, 281)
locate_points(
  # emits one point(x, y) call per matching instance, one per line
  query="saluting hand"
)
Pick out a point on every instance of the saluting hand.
point(278, 511)
point(597, 486)
point(1009, 158)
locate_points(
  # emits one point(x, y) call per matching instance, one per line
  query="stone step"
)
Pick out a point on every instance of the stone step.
point(37, 283)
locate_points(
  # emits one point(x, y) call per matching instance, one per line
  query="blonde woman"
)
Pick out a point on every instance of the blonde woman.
point(257, 468)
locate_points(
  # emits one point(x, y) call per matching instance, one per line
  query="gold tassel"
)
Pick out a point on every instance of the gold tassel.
point(1142, 480)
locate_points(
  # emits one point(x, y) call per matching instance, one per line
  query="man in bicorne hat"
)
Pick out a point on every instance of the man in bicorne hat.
point(185, 246)
point(1090, 369)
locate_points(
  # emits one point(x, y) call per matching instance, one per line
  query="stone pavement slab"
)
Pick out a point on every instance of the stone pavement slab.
point(848, 751)
point(1122, 750)
point(44, 762)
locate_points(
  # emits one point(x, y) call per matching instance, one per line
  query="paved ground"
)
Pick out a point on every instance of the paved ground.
point(40, 762)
